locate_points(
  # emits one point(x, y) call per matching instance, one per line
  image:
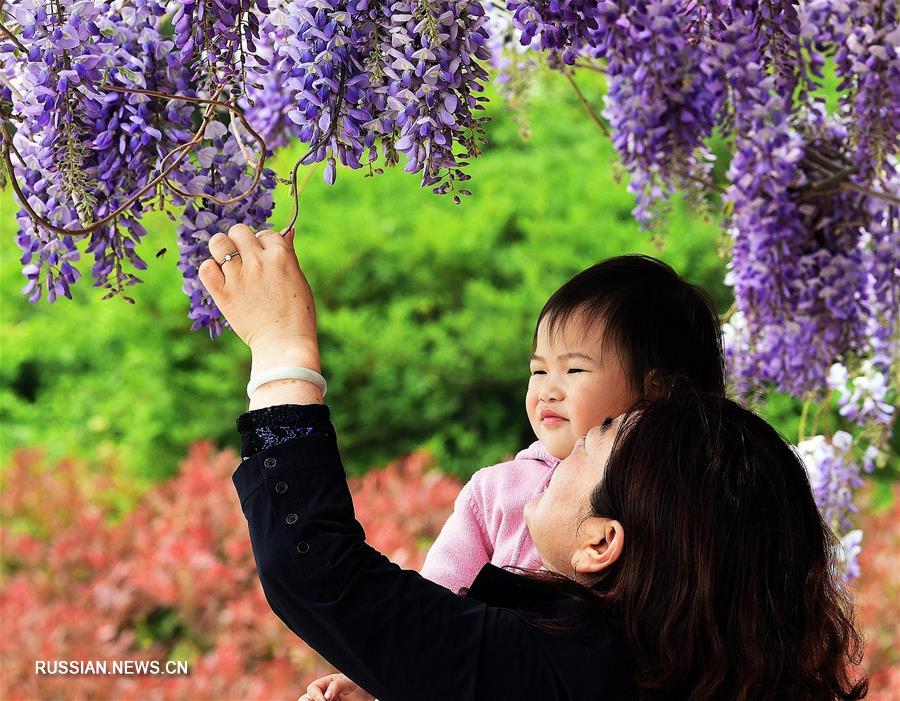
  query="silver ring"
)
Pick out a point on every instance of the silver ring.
point(229, 257)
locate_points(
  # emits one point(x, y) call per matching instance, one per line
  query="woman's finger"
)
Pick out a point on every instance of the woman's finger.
point(212, 277)
point(243, 238)
point(269, 239)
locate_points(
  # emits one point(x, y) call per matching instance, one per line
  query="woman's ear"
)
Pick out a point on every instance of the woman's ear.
point(600, 544)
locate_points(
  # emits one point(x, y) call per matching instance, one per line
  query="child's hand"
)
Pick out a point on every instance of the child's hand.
point(335, 687)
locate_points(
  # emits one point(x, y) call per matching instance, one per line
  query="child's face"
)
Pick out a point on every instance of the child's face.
point(576, 382)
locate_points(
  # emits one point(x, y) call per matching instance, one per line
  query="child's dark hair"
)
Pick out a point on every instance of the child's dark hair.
point(661, 325)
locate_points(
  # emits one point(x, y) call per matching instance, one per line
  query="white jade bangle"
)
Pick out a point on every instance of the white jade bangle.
point(262, 378)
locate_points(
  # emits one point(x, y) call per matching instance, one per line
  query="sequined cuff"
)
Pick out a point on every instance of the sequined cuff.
point(264, 428)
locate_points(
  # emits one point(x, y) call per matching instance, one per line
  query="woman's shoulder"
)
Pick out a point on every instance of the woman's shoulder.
point(583, 663)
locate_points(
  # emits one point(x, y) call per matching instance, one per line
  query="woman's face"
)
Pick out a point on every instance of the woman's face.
point(554, 516)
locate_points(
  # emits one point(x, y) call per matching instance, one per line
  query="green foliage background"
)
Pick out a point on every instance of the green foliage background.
point(426, 309)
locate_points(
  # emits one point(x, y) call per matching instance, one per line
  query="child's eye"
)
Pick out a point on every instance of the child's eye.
point(576, 370)
point(538, 372)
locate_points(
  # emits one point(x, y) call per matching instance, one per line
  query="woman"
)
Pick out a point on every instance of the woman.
point(688, 558)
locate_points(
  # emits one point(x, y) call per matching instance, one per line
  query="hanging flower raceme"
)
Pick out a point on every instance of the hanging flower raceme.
point(567, 29)
point(84, 168)
point(218, 39)
point(834, 475)
point(266, 104)
point(434, 79)
point(401, 78)
point(863, 39)
point(219, 169)
point(334, 54)
point(135, 132)
point(767, 225)
point(664, 97)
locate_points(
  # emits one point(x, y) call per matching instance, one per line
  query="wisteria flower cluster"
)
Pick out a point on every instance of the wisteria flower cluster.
point(371, 81)
point(811, 202)
point(266, 103)
point(89, 148)
point(218, 38)
point(86, 151)
point(834, 475)
point(222, 170)
point(663, 99)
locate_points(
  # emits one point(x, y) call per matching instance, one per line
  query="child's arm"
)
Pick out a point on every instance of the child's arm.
point(463, 546)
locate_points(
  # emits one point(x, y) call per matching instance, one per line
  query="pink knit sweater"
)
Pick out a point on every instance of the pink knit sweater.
point(487, 523)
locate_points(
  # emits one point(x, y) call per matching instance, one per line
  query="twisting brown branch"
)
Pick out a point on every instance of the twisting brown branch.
point(596, 67)
point(214, 102)
point(183, 150)
point(837, 178)
point(13, 38)
point(335, 114)
point(886, 196)
point(180, 151)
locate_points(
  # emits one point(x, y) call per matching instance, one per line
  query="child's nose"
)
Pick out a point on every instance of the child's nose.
point(550, 391)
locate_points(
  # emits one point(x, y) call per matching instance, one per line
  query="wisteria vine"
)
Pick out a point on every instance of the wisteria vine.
point(108, 109)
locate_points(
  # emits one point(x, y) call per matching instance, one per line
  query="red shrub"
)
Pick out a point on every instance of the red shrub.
point(878, 596)
point(174, 579)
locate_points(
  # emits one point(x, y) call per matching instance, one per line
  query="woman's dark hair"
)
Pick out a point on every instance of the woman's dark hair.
point(727, 586)
point(661, 325)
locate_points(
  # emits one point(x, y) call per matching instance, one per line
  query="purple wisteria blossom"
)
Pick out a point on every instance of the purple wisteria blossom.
point(58, 103)
point(767, 224)
point(218, 38)
point(834, 475)
point(334, 53)
point(863, 38)
point(863, 397)
point(219, 169)
point(266, 104)
point(567, 29)
point(435, 70)
point(664, 96)
point(372, 81)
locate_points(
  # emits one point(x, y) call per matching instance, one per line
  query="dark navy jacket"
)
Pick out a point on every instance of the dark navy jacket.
point(396, 634)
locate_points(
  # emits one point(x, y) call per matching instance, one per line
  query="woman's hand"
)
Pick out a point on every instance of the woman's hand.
point(335, 687)
point(262, 293)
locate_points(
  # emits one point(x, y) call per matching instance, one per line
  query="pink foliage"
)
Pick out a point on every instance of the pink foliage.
point(173, 579)
point(877, 594)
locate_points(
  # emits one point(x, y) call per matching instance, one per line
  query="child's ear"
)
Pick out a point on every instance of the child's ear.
point(600, 544)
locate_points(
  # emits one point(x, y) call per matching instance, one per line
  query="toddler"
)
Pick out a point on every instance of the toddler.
point(604, 340)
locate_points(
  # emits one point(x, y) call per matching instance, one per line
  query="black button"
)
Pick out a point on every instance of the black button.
point(270, 463)
point(302, 547)
point(291, 519)
point(281, 487)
